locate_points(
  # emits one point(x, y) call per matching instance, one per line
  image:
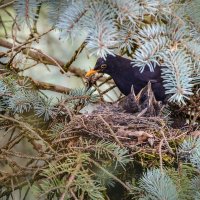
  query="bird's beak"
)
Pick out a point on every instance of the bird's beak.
point(91, 72)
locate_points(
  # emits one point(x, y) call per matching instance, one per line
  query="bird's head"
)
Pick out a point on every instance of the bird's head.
point(100, 67)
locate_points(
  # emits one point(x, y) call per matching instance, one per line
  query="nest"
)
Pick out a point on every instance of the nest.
point(135, 122)
point(148, 137)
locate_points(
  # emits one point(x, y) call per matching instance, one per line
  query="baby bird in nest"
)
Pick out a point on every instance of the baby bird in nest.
point(144, 103)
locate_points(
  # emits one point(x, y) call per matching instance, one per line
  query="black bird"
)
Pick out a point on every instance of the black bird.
point(126, 76)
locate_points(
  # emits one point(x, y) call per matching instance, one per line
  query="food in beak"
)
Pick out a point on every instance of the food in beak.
point(90, 73)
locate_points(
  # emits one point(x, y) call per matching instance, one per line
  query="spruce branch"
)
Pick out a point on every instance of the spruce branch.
point(27, 11)
point(177, 76)
point(102, 33)
point(154, 184)
point(108, 149)
point(55, 9)
point(125, 10)
point(71, 179)
point(111, 175)
point(28, 128)
point(8, 191)
point(71, 17)
point(190, 149)
point(34, 27)
point(75, 154)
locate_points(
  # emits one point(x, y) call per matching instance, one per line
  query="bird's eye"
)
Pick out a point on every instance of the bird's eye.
point(103, 66)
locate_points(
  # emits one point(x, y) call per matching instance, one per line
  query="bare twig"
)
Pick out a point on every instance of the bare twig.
point(2, 22)
point(73, 195)
point(105, 81)
point(21, 155)
point(109, 174)
point(20, 185)
point(109, 89)
point(54, 60)
point(38, 56)
point(13, 189)
point(14, 20)
point(160, 155)
point(73, 58)
point(71, 179)
point(49, 86)
point(13, 48)
point(111, 131)
point(28, 128)
point(166, 142)
point(7, 4)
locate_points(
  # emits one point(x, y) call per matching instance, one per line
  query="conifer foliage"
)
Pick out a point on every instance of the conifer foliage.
point(107, 154)
point(149, 31)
